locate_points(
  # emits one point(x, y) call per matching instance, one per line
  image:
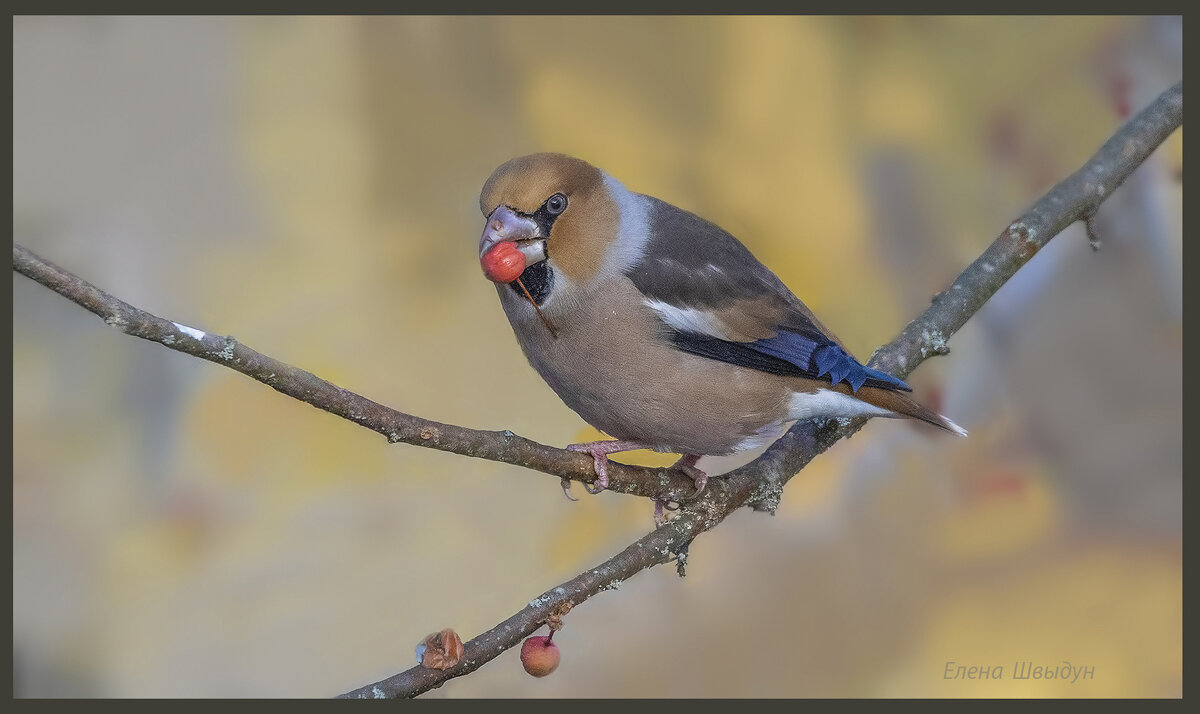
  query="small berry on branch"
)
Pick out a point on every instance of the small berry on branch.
point(539, 655)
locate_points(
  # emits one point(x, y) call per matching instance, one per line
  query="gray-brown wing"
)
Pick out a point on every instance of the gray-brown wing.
point(720, 302)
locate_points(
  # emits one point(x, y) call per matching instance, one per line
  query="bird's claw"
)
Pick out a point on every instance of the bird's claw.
point(599, 451)
point(660, 505)
point(687, 465)
point(566, 487)
point(599, 463)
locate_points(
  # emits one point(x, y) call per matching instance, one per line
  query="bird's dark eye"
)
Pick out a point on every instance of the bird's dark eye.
point(556, 204)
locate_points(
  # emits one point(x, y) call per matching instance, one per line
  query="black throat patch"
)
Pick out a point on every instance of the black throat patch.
point(538, 280)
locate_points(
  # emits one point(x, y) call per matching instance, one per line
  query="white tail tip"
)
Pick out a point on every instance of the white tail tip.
point(953, 427)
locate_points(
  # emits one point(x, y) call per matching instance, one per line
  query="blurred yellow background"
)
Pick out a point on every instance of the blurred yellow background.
point(309, 186)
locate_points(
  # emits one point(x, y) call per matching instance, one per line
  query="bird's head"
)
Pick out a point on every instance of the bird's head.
point(557, 210)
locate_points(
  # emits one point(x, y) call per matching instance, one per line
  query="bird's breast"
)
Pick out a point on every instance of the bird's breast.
point(613, 365)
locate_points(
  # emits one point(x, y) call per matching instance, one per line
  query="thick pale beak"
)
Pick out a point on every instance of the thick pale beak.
point(505, 225)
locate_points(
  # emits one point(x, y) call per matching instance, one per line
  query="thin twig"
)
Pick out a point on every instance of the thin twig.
point(541, 316)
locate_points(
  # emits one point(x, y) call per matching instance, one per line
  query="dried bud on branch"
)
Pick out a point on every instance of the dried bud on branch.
point(555, 620)
point(442, 650)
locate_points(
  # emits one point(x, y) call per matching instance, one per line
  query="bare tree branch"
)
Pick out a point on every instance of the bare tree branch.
point(758, 484)
point(398, 427)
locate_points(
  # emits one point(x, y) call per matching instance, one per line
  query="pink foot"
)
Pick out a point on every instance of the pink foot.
point(687, 464)
point(599, 451)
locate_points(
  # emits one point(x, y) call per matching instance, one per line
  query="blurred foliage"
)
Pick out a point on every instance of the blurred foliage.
point(309, 185)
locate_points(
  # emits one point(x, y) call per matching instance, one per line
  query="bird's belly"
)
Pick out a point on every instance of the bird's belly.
point(647, 391)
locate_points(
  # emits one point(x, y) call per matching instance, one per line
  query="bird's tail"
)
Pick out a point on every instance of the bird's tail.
point(905, 405)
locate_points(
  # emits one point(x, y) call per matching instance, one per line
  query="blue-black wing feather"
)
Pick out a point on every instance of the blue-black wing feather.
point(787, 354)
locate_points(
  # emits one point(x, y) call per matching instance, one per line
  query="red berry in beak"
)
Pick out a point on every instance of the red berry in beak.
point(539, 656)
point(504, 263)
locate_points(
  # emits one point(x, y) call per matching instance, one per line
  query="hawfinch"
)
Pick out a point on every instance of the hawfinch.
point(658, 327)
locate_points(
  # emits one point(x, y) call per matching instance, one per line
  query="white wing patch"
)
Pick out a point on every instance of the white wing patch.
point(688, 319)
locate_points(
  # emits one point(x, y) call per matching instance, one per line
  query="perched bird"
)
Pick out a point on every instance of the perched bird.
point(658, 327)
